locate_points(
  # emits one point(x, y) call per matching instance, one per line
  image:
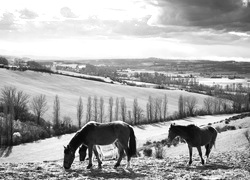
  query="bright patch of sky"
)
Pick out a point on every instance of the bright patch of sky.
point(186, 29)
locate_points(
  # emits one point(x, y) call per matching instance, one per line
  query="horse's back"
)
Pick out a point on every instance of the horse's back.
point(106, 133)
point(207, 133)
point(212, 130)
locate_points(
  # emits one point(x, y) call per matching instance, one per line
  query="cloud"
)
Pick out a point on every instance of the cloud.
point(7, 21)
point(27, 14)
point(216, 14)
point(67, 13)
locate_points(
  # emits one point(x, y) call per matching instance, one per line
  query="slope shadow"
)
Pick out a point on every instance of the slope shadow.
point(108, 173)
point(211, 166)
point(5, 151)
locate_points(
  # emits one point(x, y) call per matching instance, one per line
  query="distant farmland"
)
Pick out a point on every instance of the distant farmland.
point(69, 90)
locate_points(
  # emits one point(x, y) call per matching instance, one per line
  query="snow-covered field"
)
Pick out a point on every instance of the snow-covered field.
point(52, 148)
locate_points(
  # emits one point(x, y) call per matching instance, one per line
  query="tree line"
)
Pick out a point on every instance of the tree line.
point(24, 114)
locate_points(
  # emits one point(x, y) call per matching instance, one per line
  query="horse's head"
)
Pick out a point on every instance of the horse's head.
point(69, 156)
point(82, 153)
point(172, 132)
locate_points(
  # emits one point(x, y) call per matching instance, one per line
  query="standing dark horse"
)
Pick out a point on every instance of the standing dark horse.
point(195, 137)
point(94, 133)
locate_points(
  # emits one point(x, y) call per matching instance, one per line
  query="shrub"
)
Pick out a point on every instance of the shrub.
point(159, 151)
point(231, 127)
point(227, 121)
point(148, 143)
point(147, 152)
point(225, 128)
point(164, 141)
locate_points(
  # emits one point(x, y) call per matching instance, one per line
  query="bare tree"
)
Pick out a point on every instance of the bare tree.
point(19, 100)
point(191, 102)
point(67, 121)
point(117, 109)
point(208, 104)
point(111, 103)
point(148, 112)
point(95, 108)
point(79, 112)
point(135, 110)
point(56, 112)
point(150, 108)
point(39, 106)
point(8, 99)
point(139, 114)
point(123, 109)
point(158, 110)
point(181, 106)
point(101, 104)
point(20, 103)
point(130, 117)
point(165, 107)
point(89, 109)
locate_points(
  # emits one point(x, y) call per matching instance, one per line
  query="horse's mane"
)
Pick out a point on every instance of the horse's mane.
point(192, 126)
point(78, 138)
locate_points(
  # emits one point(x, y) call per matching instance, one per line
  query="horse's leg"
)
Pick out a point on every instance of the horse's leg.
point(115, 150)
point(121, 152)
point(208, 150)
point(200, 153)
point(125, 147)
point(101, 156)
point(90, 148)
point(97, 156)
point(124, 143)
point(190, 154)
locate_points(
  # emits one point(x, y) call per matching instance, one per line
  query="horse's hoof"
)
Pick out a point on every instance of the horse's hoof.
point(89, 166)
point(128, 167)
point(100, 166)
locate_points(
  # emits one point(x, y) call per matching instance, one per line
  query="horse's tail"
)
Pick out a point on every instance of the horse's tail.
point(132, 143)
point(214, 136)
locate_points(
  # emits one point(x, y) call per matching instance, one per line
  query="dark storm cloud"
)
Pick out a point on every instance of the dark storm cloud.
point(27, 14)
point(217, 14)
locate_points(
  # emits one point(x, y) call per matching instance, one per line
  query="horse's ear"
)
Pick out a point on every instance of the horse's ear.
point(172, 124)
point(64, 147)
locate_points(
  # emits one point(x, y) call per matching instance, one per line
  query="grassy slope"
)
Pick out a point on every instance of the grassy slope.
point(70, 89)
point(230, 160)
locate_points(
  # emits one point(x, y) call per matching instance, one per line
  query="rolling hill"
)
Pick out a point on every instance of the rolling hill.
point(69, 89)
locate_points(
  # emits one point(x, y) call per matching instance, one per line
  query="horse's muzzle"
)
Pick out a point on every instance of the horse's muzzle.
point(66, 165)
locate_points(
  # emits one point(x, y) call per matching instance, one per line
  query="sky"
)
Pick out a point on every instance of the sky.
point(104, 29)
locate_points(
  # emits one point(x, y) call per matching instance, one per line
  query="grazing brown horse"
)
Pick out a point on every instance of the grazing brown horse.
point(94, 133)
point(195, 137)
